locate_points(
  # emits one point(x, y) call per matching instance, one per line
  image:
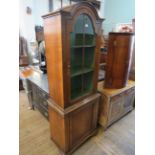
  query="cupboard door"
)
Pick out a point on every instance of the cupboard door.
point(115, 112)
point(129, 97)
point(82, 57)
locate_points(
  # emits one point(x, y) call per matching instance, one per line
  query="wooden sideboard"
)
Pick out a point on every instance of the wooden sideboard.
point(115, 103)
point(38, 93)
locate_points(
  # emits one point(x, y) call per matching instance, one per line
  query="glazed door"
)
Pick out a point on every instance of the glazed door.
point(82, 57)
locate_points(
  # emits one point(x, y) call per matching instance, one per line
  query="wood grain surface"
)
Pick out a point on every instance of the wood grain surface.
point(52, 34)
point(34, 132)
point(120, 49)
point(58, 27)
point(113, 92)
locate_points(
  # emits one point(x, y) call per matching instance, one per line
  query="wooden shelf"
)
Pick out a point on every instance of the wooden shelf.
point(82, 46)
point(82, 71)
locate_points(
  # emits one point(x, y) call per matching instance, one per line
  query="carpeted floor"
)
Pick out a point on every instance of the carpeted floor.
point(119, 139)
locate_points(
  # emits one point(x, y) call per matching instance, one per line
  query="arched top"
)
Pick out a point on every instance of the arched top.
point(72, 9)
point(83, 31)
point(84, 24)
point(72, 13)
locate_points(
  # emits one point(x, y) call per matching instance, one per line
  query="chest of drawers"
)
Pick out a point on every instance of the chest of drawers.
point(37, 88)
point(39, 100)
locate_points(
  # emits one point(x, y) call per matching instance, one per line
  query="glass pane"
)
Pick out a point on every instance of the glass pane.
point(89, 58)
point(76, 86)
point(88, 25)
point(72, 39)
point(82, 41)
point(88, 84)
point(76, 61)
point(89, 33)
point(78, 30)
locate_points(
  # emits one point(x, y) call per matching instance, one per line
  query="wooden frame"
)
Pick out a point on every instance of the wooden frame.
point(72, 121)
point(57, 27)
point(70, 127)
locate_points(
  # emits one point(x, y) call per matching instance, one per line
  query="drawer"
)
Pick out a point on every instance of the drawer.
point(42, 110)
point(40, 97)
point(42, 94)
point(43, 102)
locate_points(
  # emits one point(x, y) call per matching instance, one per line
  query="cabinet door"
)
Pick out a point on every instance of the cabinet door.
point(82, 57)
point(115, 112)
point(129, 97)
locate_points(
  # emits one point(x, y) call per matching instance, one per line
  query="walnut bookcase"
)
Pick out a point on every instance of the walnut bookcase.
point(72, 40)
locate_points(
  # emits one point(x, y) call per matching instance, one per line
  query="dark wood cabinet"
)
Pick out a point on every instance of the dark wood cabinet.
point(72, 40)
point(120, 49)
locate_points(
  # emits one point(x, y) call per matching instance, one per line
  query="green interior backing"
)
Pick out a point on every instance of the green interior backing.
point(82, 57)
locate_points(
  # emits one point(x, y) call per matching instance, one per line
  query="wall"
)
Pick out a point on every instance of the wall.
point(40, 7)
point(101, 11)
point(114, 11)
point(57, 4)
point(26, 21)
point(117, 11)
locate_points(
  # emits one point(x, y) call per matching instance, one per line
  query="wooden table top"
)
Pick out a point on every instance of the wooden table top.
point(36, 77)
point(112, 92)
